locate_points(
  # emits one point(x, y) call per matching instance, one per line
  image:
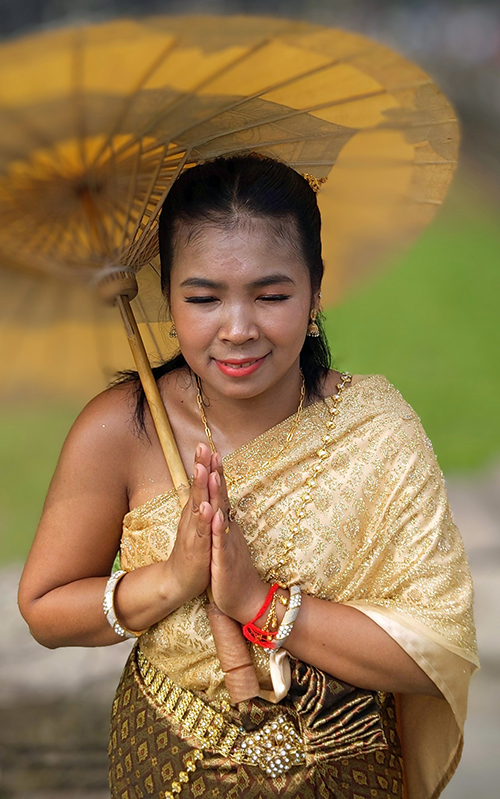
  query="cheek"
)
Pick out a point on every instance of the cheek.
point(195, 329)
point(290, 321)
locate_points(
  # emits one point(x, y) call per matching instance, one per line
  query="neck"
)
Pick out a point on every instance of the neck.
point(234, 422)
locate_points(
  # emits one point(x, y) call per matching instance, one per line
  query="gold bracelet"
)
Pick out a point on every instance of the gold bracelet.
point(108, 605)
point(272, 622)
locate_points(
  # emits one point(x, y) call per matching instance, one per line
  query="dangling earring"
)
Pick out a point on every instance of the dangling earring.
point(173, 331)
point(312, 327)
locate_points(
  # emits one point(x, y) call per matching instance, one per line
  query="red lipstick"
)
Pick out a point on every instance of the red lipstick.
point(240, 367)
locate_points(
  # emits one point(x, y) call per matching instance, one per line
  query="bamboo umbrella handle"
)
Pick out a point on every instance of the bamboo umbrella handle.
point(153, 396)
point(232, 650)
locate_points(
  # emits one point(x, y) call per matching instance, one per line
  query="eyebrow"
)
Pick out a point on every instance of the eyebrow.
point(268, 280)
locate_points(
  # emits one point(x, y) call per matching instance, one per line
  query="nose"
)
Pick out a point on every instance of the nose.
point(238, 325)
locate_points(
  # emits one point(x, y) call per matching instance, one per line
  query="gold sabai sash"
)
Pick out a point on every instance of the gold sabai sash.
point(378, 535)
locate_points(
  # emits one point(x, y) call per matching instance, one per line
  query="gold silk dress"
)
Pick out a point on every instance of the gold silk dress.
point(377, 535)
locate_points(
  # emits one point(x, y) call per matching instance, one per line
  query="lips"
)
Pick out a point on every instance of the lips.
point(240, 364)
point(239, 367)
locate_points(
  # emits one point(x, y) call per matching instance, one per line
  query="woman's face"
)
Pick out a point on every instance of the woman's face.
point(240, 298)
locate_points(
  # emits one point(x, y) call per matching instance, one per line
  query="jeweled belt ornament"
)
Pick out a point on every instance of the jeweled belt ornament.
point(275, 747)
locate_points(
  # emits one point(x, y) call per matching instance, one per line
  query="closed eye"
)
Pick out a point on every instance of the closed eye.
point(274, 297)
point(200, 300)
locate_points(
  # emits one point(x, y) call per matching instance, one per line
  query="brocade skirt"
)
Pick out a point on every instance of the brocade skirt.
point(325, 739)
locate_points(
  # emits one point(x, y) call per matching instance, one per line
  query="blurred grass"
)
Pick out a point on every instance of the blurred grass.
point(430, 324)
point(30, 442)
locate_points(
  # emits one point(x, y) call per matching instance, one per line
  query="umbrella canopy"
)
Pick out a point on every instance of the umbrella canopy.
point(97, 121)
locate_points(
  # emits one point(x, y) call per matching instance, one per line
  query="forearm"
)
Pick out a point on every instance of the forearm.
point(350, 646)
point(345, 643)
point(72, 614)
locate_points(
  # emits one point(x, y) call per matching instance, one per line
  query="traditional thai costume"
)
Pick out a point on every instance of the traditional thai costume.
point(376, 533)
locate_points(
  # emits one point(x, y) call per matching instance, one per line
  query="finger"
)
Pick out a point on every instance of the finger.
point(214, 490)
point(204, 520)
point(220, 529)
point(199, 489)
point(203, 455)
point(216, 463)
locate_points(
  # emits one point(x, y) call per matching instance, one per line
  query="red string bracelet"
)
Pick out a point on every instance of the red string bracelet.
point(253, 633)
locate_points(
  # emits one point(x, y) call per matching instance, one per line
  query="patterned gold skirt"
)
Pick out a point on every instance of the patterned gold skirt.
point(326, 739)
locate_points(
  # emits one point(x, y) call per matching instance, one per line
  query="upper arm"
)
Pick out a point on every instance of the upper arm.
point(80, 528)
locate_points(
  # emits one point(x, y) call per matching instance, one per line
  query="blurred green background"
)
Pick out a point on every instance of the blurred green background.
point(429, 323)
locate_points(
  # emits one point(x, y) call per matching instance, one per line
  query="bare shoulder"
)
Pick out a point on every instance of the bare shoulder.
point(101, 443)
point(108, 419)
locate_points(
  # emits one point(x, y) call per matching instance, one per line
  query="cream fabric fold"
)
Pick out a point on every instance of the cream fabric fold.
point(281, 676)
point(431, 728)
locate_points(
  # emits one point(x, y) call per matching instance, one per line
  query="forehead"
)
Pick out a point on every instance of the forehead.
point(243, 244)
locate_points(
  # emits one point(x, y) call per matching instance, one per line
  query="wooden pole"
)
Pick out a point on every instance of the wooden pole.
point(232, 649)
point(153, 396)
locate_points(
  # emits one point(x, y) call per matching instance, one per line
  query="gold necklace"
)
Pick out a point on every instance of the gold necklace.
point(275, 572)
point(289, 437)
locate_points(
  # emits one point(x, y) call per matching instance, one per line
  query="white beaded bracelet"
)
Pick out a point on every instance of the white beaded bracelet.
point(108, 605)
point(291, 614)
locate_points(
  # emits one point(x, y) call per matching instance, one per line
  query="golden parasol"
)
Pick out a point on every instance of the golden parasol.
point(97, 121)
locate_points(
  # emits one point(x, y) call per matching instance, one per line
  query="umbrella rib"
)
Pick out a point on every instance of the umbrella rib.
point(272, 87)
point(293, 113)
point(116, 209)
point(435, 163)
point(40, 238)
point(128, 101)
point(287, 140)
point(148, 196)
point(430, 123)
point(131, 193)
point(135, 246)
point(146, 241)
point(178, 101)
point(113, 207)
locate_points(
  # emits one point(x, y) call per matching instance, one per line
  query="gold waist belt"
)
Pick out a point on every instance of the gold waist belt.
point(275, 746)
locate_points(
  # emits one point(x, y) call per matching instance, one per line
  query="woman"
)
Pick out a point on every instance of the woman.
point(307, 484)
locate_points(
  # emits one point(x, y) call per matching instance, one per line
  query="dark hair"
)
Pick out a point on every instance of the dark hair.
point(220, 193)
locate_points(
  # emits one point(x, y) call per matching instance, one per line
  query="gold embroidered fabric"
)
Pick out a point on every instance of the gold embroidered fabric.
point(378, 534)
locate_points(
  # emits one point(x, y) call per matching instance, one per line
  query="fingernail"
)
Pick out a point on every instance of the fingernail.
point(220, 515)
point(198, 451)
point(217, 478)
point(197, 468)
